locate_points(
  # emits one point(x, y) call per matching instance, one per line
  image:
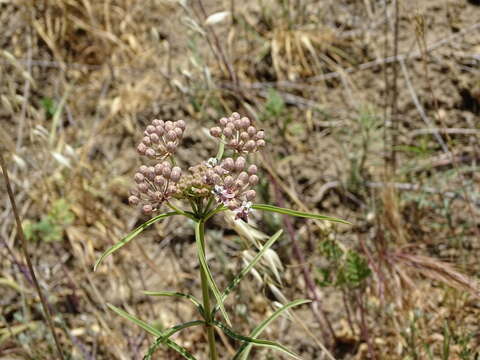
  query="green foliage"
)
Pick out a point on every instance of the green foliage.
point(345, 268)
point(49, 105)
point(51, 226)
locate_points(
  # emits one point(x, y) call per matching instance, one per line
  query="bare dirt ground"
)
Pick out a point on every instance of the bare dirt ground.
point(372, 115)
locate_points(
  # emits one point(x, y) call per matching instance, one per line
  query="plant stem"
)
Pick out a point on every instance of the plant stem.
point(206, 298)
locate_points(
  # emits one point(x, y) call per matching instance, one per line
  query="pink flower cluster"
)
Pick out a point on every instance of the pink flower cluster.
point(239, 134)
point(161, 138)
point(155, 184)
point(232, 184)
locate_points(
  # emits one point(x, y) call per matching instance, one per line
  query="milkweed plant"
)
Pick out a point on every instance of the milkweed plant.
point(220, 184)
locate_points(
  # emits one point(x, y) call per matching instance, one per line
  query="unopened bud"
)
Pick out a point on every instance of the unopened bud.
point(143, 169)
point(171, 147)
point(228, 181)
point(251, 130)
point(250, 195)
point(245, 122)
point(223, 121)
point(139, 178)
point(133, 200)
point(235, 115)
point(227, 132)
point(252, 169)
point(253, 180)
point(150, 152)
point(181, 124)
point(150, 129)
point(250, 145)
point(171, 135)
point(243, 177)
point(179, 132)
point(176, 174)
point(240, 163)
point(261, 143)
point(147, 209)
point(159, 180)
point(146, 140)
point(228, 164)
point(216, 131)
point(260, 135)
point(141, 148)
point(154, 138)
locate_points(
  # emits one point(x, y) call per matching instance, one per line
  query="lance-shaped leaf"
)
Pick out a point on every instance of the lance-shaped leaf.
point(244, 350)
point(148, 328)
point(132, 235)
point(296, 213)
point(257, 342)
point(203, 263)
point(236, 280)
point(172, 345)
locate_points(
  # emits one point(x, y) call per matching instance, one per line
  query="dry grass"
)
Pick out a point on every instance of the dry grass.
point(80, 78)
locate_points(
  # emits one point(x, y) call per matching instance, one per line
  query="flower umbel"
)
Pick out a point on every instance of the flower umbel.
point(229, 181)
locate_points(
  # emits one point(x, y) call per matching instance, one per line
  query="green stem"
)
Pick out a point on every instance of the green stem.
point(206, 297)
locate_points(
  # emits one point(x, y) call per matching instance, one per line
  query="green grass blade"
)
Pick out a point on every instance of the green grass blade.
point(236, 280)
point(211, 282)
point(258, 342)
point(244, 350)
point(132, 235)
point(296, 213)
point(148, 328)
point(192, 298)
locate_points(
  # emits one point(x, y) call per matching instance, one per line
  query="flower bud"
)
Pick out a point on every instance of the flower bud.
point(227, 132)
point(147, 209)
point(143, 169)
point(243, 177)
point(260, 143)
point(171, 147)
point(179, 132)
point(228, 181)
point(245, 122)
point(150, 152)
point(251, 130)
point(216, 131)
point(160, 130)
point(244, 136)
point(228, 164)
point(150, 173)
point(250, 145)
point(157, 122)
point(150, 129)
point(235, 116)
point(159, 180)
point(146, 140)
point(171, 135)
point(238, 124)
point(240, 163)
point(166, 172)
point(233, 143)
point(250, 195)
point(154, 138)
point(143, 188)
point(133, 200)
point(158, 169)
point(176, 174)
point(139, 178)
point(168, 125)
point(142, 148)
point(252, 169)
point(253, 180)
point(223, 121)
point(260, 135)
point(181, 124)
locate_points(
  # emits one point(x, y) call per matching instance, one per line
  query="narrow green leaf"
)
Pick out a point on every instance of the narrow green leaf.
point(245, 348)
point(211, 282)
point(192, 298)
point(180, 349)
point(166, 334)
point(132, 235)
point(258, 342)
point(236, 280)
point(296, 213)
point(137, 321)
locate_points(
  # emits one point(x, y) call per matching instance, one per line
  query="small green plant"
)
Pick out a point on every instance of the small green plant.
point(222, 183)
point(51, 226)
point(346, 268)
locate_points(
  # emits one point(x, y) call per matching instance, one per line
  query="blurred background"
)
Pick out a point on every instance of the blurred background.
point(371, 110)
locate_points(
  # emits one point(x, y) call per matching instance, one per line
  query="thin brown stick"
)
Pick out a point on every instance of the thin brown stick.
point(23, 240)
